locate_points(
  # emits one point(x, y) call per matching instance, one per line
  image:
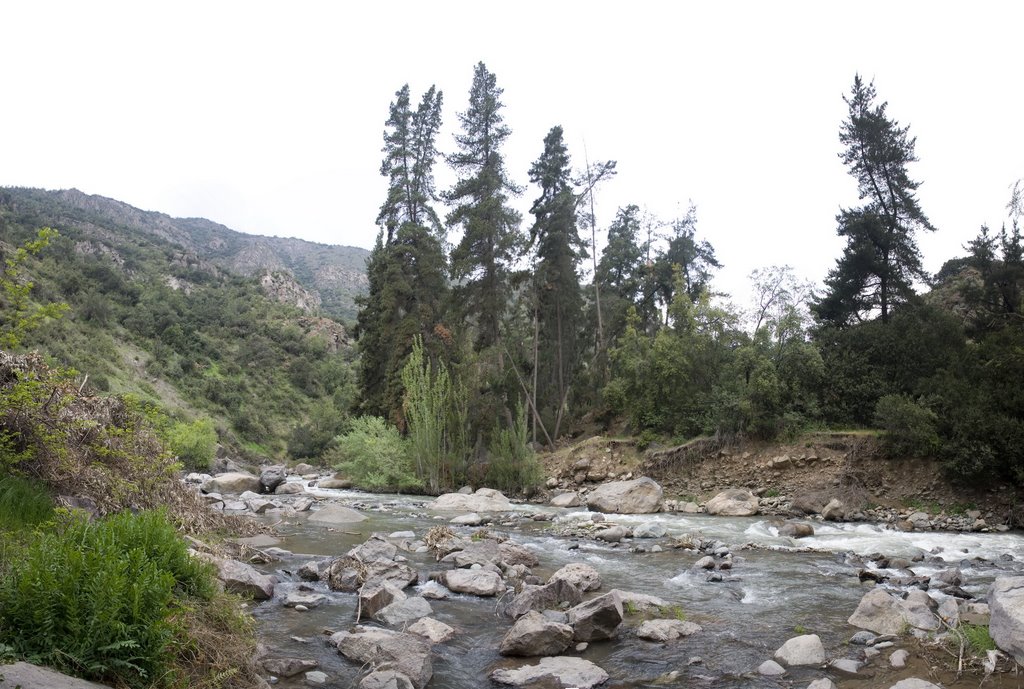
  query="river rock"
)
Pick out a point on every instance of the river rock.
point(899, 657)
point(918, 609)
point(433, 630)
point(514, 554)
point(579, 574)
point(483, 500)
point(482, 552)
point(476, 582)
point(641, 602)
point(309, 571)
point(666, 630)
point(802, 650)
point(1006, 604)
point(533, 634)
point(570, 499)
point(796, 530)
point(310, 600)
point(611, 534)
point(846, 666)
point(385, 679)
point(564, 670)
point(374, 597)
point(770, 668)
point(639, 496)
point(22, 675)
point(471, 519)
point(597, 618)
point(734, 502)
point(241, 578)
point(834, 510)
point(550, 595)
point(914, 683)
point(404, 611)
point(335, 515)
point(334, 483)
point(348, 574)
point(235, 482)
point(822, 683)
point(880, 612)
point(706, 562)
point(292, 488)
point(373, 549)
point(288, 667)
point(272, 477)
point(649, 530)
point(384, 649)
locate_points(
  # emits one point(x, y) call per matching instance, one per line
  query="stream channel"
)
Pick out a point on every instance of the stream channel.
point(774, 591)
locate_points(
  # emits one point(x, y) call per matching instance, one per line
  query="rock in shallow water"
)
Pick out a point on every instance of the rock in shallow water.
point(639, 496)
point(387, 650)
point(567, 671)
point(534, 634)
point(802, 650)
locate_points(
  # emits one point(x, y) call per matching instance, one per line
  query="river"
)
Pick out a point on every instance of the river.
point(777, 588)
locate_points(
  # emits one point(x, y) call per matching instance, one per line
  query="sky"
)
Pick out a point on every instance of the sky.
point(268, 117)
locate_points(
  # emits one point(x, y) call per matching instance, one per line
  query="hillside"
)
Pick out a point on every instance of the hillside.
point(157, 313)
point(333, 275)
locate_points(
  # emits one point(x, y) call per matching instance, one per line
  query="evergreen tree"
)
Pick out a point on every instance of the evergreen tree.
point(491, 241)
point(881, 259)
point(406, 270)
point(695, 260)
point(556, 282)
point(620, 271)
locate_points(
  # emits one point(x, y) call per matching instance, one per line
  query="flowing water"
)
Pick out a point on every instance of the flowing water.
point(777, 588)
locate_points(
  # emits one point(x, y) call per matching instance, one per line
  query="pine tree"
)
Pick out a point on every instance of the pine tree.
point(881, 259)
point(406, 270)
point(491, 241)
point(620, 271)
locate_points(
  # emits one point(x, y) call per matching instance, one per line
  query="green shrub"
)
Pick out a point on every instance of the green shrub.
point(910, 427)
point(195, 444)
point(978, 637)
point(513, 466)
point(374, 456)
point(95, 599)
point(23, 503)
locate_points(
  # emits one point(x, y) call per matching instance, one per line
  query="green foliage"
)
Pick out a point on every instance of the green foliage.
point(23, 503)
point(194, 444)
point(374, 456)
point(909, 426)
point(18, 315)
point(436, 414)
point(96, 598)
point(513, 465)
point(977, 636)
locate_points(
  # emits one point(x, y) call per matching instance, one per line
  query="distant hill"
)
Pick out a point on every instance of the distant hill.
point(333, 275)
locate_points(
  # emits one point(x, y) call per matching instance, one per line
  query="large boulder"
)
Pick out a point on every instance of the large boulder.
point(483, 552)
point(272, 477)
point(373, 549)
point(335, 515)
point(28, 676)
point(235, 482)
point(375, 596)
point(383, 649)
point(597, 618)
point(569, 499)
point(802, 650)
point(477, 582)
point(796, 530)
point(241, 578)
point(404, 611)
point(549, 596)
point(1006, 606)
point(287, 667)
point(434, 631)
point(562, 671)
point(534, 634)
point(484, 500)
point(348, 573)
point(579, 574)
point(385, 679)
point(881, 612)
point(666, 630)
point(734, 502)
point(639, 496)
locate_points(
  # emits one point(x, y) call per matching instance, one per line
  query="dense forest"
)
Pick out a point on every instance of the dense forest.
point(483, 334)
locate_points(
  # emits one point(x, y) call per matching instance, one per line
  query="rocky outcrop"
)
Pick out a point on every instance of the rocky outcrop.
point(639, 496)
point(1006, 605)
point(533, 634)
point(383, 649)
point(560, 671)
point(734, 502)
point(483, 500)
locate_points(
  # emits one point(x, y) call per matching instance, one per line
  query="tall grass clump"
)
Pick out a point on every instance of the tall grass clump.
point(513, 465)
point(97, 599)
point(23, 503)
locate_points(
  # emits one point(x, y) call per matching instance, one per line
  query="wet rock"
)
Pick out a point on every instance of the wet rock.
point(579, 574)
point(770, 668)
point(834, 510)
point(475, 582)
point(796, 530)
point(241, 578)
point(914, 683)
point(641, 602)
point(880, 612)
point(385, 679)
point(733, 502)
point(309, 600)
point(570, 499)
point(287, 667)
point(639, 496)
point(846, 666)
point(374, 597)
point(514, 554)
point(862, 638)
point(316, 678)
point(302, 504)
point(550, 595)
point(292, 488)
point(384, 649)
point(373, 549)
point(666, 630)
point(272, 477)
point(335, 515)
point(898, 659)
point(611, 534)
point(482, 552)
point(434, 591)
point(706, 562)
point(232, 482)
point(310, 571)
point(483, 500)
point(534, 634)
point(433, 630)
point(649, 530)
point(260, 505)
point(566, 671)
point(348, 574)
point(597, 618)
point(404, 611)
point(802, 650)
point(1006, 604)
point(471, 519)
point(823, 683)
point(334, 483)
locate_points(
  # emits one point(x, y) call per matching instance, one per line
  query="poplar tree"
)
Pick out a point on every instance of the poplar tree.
point(491, 241)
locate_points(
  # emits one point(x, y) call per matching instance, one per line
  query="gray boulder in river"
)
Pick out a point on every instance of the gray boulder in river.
point(483, 500)
point(534, 634)
point(1006, 604)
point(563, 671)
point(639, 496)
point(384, 649)
point(734, 502)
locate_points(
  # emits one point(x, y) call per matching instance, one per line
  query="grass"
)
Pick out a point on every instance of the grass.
point(977, 637)
point(675, 611)
point(23, 503)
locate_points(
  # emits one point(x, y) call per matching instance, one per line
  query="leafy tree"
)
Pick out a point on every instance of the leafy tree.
point(18, 314)
point(694, 259)
point(491, 241)
point(881, 259)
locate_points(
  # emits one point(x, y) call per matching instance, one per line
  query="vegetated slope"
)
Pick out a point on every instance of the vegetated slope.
point(154, 317)
point(335, 275)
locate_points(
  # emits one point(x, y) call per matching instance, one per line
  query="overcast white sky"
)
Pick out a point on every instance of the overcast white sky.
point(267, 117)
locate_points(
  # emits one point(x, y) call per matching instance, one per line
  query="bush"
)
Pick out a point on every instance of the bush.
point(23, 503)
point(195, 444)
point(374, 456)
point(95, 599)
point(910, 427)
point(513, 466)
